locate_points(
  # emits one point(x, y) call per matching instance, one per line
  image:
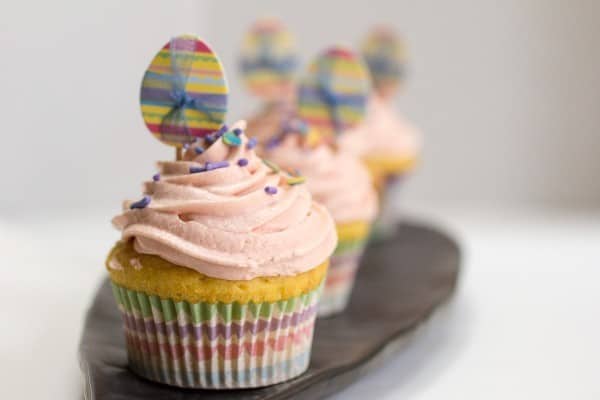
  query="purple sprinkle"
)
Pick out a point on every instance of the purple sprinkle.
point(251, 143)
point(271, 190)
point(242, 162)
point(186, 145)
point(271, 144)
point(198, 150)
point(221, 131)
point(209, 166)
point(143, 203)
point(214, 165)
point(156, 177)
point(237, 131)
point(210, 139)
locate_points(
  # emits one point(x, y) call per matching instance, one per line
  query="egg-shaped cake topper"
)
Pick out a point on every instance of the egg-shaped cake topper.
point(268, 59)
point(184, 92)
point(333, 94)
point(385, 55)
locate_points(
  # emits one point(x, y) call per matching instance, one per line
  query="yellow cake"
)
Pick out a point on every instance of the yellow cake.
point(382, 167)
point(156, 276)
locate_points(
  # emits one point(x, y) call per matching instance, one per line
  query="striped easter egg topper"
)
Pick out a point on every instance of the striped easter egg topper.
point(385, 55)
point(184, 92)
point(333, 94)
point(268, 58)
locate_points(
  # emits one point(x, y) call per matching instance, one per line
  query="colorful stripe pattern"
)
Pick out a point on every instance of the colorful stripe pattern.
point(268, 57)
point(217, 345)
point(184, 92)
point(385, 56)
point(332, 97)
point(343, 266)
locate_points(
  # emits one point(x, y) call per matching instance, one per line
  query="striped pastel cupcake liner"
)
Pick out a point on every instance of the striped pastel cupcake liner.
point(341, 275)
point(217, 345)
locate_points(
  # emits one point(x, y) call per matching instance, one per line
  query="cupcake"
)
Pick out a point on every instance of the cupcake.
point(340, 182)
point(331, 99)
point(221, 262)
point(268, 61)
point(219, 269)
point(387, 143)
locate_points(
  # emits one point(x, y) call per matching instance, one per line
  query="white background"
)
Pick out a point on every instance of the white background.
point(506, 94)
point(524, 323)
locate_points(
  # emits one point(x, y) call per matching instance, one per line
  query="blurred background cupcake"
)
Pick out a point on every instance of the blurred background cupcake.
point(387, 142)
point(331, 99)
point(219, 268)
point(342, 184)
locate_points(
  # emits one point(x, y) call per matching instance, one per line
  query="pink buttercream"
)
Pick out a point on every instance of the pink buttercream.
point(223, 224)
point(336, 179)
point(383, 133)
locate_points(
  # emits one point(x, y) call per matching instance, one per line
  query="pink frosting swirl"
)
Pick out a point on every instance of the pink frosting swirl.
point(383, 133)
point(336, 179)
point(223, 222)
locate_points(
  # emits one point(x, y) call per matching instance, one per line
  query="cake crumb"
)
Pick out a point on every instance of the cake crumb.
point(136, 264)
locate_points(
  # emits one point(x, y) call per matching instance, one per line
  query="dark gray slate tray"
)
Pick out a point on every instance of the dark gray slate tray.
point(403, 279)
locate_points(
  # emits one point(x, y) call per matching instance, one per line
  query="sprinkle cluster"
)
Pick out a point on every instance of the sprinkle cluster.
point(231, 138)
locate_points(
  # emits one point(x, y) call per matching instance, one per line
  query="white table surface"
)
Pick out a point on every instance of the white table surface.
point(525, 323)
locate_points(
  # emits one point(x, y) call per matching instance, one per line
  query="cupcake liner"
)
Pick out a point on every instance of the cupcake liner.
point(385, 223)
point(341, 275)
point(217, 345)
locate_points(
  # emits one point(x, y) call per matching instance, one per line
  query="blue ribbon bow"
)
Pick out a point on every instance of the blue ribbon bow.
point(181, 65)
point(332, 100)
